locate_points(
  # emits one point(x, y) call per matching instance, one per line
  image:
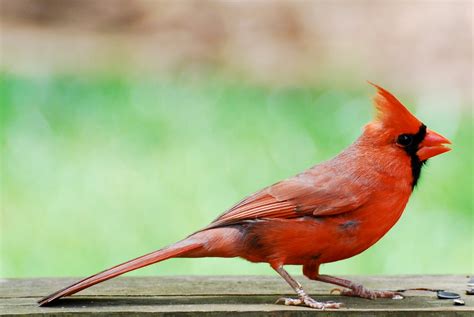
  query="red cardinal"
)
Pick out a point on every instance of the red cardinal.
point(330, 212)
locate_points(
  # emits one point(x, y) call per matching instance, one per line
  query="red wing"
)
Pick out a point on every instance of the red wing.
point(306, 194)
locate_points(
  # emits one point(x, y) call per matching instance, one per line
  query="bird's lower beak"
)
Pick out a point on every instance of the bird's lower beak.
point(432, 145)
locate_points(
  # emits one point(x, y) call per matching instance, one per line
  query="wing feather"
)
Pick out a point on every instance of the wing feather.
point(313, 193)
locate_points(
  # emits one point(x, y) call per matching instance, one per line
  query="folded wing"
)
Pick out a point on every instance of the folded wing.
point(307, 194)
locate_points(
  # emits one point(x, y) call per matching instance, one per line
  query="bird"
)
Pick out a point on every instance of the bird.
point(330, 212)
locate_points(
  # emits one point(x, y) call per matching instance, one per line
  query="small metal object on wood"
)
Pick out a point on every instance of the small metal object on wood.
point(230, 295)
point(447, 295)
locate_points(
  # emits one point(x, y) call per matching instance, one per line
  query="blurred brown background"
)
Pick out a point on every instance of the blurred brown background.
point(423, 45)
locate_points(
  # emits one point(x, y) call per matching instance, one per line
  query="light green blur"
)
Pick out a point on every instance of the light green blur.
point(98, 169)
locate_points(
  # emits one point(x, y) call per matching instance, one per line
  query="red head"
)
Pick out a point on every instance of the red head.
point(399, 136)
point(404, 129)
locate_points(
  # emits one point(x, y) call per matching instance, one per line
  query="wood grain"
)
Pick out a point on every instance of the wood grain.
point(232, 295)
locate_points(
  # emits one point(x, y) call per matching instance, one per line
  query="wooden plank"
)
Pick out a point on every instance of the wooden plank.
point(233, 295)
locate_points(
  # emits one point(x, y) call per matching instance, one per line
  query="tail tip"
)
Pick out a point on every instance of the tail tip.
point(45, 301)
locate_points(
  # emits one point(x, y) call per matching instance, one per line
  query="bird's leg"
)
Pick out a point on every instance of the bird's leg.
point(354, 289)
point(303, 298)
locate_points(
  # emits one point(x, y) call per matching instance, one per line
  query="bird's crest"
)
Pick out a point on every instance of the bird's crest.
point(392, 114)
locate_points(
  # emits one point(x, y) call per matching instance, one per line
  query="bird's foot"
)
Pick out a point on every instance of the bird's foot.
point(308, 302)
point(361, 291)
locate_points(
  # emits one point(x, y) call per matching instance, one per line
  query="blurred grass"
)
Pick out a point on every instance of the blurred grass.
point(97, 169)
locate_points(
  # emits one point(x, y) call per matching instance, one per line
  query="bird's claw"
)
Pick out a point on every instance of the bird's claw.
point(363, 292)
point(308, 302)
point(336, 291)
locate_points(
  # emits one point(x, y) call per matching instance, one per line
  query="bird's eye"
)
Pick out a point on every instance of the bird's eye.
point(405, 139)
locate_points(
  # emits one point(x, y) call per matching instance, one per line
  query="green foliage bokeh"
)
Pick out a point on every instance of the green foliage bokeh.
point(99, 169)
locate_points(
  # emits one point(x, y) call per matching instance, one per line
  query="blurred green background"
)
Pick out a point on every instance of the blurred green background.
point(133, 147)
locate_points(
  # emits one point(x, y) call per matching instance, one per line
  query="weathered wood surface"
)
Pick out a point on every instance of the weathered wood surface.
point(230, 295)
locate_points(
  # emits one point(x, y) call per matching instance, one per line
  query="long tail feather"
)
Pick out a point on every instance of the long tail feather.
point(178, 249)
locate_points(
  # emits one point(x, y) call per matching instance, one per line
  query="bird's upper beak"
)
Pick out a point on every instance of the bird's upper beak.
point(432, 145)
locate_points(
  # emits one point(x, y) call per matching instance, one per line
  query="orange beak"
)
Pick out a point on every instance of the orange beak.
point(432, 145)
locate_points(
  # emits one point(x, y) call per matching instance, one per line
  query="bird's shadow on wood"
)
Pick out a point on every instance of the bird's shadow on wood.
point(116, 301)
